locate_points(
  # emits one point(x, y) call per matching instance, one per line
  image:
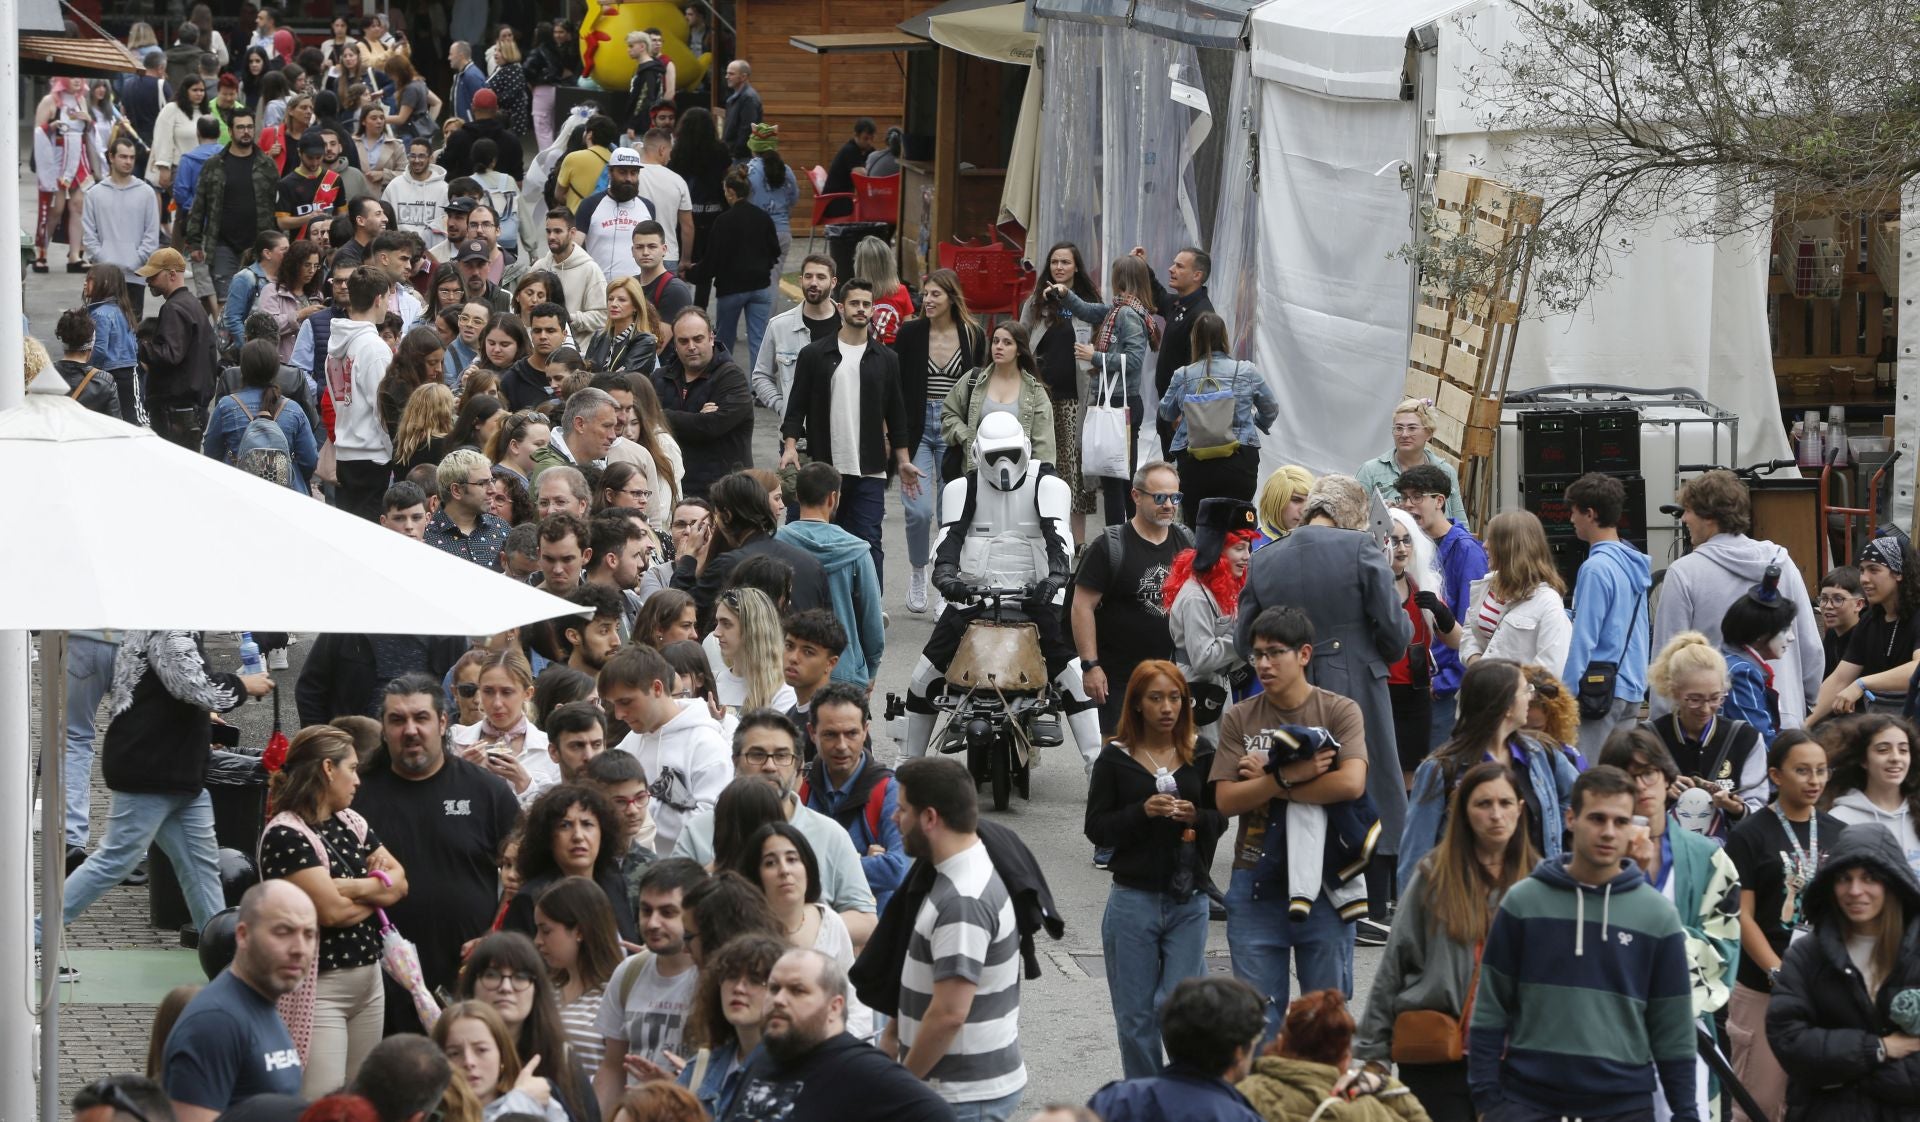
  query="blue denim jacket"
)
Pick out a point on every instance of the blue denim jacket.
point(240, 299)
point(1254, 407)
point(229, 423)
point(1748, 697)
point(1129, 337)
point(113, 343)
point(778, 202)
point(716, 1089)
point(1550, 772)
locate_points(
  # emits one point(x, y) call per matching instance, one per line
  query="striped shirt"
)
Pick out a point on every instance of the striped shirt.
point(585, 1045)
point(965, 929)
point(1487, 620)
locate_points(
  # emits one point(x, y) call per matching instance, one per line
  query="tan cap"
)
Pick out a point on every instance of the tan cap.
point(162, 261)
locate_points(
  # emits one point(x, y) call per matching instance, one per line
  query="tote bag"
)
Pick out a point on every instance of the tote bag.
point(1103, 431)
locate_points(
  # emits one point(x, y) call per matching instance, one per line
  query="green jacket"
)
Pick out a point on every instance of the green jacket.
point(960, 415)
point(1421, 969)
point(203, 221)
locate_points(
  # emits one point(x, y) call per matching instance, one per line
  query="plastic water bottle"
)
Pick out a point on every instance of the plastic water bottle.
point(250, 660)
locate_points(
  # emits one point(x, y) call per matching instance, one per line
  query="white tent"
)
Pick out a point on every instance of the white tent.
point(1333, 126)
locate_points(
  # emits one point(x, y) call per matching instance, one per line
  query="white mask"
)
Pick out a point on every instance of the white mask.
point(1694, 810)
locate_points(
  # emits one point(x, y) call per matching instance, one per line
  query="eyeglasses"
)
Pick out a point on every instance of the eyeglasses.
point(1408, 430)
point(687, 694)
point(477, 482)
point(1836, 599)
point(1703, 700)
point(506, 980)
point(640, 799)
point(1164, 498)
point(111, 1096)
point(1400, 542)
point(1647, 777)
point(640, 493)
point(761, 756)
point(1269, 654)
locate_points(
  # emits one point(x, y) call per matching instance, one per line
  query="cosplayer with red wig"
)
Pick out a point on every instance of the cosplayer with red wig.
point(1201, 591)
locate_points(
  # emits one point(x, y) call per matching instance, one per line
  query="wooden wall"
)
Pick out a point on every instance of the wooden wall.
point(816, 98)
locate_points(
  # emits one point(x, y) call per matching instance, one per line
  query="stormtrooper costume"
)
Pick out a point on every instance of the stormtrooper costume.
point(1003, 526)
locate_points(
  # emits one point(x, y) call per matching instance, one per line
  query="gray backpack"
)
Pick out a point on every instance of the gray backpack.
point(263, 447)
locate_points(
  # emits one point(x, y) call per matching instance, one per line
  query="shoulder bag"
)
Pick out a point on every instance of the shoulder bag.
point(1428, 1036)
point(1103, 430)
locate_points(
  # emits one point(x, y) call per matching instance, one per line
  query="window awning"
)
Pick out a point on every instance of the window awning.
point(862, 43)
point(1199, 23)
point(57, 56)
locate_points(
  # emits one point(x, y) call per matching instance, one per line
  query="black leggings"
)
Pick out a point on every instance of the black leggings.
point(1229, 477)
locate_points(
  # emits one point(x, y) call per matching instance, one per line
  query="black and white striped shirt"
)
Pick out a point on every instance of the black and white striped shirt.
point(965, 929)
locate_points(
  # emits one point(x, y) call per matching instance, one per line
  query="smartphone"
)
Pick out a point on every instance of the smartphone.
point(226, 736)
point(387, 40)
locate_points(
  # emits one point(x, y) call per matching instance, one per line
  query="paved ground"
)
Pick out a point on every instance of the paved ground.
point(1066, 1015)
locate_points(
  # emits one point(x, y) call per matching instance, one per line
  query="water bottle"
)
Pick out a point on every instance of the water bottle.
point(250, 661)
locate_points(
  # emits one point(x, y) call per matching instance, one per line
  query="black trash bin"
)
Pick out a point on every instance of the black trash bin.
point(237, 786)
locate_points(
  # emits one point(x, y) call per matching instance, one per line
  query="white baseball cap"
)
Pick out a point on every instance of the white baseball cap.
point(624, 158)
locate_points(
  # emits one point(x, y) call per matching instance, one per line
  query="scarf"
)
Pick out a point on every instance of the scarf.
point(1103, 336)
point(515, 731)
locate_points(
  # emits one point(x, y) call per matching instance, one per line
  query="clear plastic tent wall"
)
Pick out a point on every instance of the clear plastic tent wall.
point(1111, 144)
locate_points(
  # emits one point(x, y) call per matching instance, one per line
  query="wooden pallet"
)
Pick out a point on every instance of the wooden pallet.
point(1462, 346)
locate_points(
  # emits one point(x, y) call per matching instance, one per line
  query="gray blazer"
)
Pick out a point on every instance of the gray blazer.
point(1341, 579)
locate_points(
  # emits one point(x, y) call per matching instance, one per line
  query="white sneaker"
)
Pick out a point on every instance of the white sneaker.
point(936, 603)
point(917, 590)
point(277, 659)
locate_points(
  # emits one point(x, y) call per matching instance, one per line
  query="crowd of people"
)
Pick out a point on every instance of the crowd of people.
point(1628, 855)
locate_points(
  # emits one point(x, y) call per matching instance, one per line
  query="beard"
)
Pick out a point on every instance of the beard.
point(797, 1041)
point(914, 841)
point(622, 192)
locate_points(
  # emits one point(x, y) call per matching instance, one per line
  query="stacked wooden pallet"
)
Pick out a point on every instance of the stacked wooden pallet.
point(1465, 323)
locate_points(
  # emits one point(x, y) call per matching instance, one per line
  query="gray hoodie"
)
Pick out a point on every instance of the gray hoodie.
point(1855, 809)
point(1700, 587)
point(120, 225)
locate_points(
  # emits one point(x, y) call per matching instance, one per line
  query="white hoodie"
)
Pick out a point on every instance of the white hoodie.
point(357, 359)
point(1700, 587)
point(583, 285)
point(687, 764)
point(1855, 809)
point(420, 207)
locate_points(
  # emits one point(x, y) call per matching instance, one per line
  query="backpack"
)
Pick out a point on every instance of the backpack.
point(1207, 406)
point(263, 447)
point(876, 803)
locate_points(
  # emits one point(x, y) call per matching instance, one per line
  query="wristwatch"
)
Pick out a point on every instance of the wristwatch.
point(1087, 664)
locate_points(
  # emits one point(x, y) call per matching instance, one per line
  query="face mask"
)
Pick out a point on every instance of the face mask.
point(1694, 810)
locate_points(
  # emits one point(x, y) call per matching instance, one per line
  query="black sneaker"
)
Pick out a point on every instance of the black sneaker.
point(138, 877)
point(1371, 932)
point(76, 857)
point(68, 974)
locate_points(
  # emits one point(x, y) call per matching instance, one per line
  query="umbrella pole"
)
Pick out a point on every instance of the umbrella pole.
point(53, 860)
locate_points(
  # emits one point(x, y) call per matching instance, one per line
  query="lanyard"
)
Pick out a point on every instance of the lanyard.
point(1806, 862)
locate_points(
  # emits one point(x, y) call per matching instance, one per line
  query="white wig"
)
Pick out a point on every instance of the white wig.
point(1423, 567)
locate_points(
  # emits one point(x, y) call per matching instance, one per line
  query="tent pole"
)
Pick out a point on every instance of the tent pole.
point(53, 858)
point(16, 753)
point(1906, 418)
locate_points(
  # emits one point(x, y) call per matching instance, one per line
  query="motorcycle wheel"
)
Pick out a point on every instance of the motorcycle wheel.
point(1002, 764)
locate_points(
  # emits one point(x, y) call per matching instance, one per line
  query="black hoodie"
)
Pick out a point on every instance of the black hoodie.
point(839, 1080)
point(1824, 1027)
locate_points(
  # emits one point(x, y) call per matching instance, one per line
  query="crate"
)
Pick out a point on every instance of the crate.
point(1610, 442)
point(1546, 497)
point(1550, 444)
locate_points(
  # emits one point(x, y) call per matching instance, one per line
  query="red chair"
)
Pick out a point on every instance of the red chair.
point(994, 280)
point(876, 198)
point(820, 205)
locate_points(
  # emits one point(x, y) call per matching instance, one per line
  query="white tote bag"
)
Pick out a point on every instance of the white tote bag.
point(1103, 431)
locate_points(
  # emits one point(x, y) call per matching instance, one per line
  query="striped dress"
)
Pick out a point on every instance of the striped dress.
point(584, 1042)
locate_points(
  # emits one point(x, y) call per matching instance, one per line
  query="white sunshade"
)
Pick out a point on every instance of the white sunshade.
point(110, 526)
point(1353, 49)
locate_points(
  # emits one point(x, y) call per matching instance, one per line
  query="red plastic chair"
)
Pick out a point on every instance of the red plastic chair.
point(820, 205)
point(876, 198)
point(993, 279)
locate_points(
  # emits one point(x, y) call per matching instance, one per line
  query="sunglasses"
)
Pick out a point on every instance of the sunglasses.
point(466, 689)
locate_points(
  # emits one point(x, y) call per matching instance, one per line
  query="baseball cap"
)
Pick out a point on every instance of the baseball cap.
point(475, 250)
point(624, 158)
point(461, 205)
point(485, 99)
point(161, 261)
point(312, 143)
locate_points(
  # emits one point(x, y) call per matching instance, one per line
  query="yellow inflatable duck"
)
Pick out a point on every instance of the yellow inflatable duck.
point(603, 41)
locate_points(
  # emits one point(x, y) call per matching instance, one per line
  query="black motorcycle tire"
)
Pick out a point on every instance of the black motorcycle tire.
point(1002, 766)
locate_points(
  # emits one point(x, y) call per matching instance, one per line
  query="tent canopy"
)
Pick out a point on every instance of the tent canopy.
point(1196, 23)
point(1353, 49)
point(998, 33)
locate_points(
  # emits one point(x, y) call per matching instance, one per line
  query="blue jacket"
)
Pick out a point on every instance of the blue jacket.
point(885, 871)
point(716, 1090)
point(114, 347)
point(1610, 619)
point(1748, 697)
point(454, 361)
point(467, 83)
point(777, 202)
point(1129, 339)
point(186, 177)
point(229, 422)
point(242, 293)
point(853, 586)
point(1550, 773)
point(1253, 406)
point(1462, 560)
point(1178, 1094)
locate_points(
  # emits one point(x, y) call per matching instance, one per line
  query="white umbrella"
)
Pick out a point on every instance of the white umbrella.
point(114, 527)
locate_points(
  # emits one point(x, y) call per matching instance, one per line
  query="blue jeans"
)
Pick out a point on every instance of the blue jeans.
point(758, 306)
point(89, 675)
point(924, 511)
point(1150, 943)
point(182, 825)
point(1261, 936)
point(1445, 711)
point(863, 503)
point(988, 1110)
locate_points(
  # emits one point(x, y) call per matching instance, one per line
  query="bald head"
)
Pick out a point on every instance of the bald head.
point(276, 937)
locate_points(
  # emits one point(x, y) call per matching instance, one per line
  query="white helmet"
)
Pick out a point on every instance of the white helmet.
point(1001, 451)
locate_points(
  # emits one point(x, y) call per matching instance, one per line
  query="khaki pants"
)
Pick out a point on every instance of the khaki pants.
point(349, 1009)
point(1753, 1062)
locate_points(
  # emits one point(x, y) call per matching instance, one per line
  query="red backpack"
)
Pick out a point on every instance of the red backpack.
point(876, 801)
